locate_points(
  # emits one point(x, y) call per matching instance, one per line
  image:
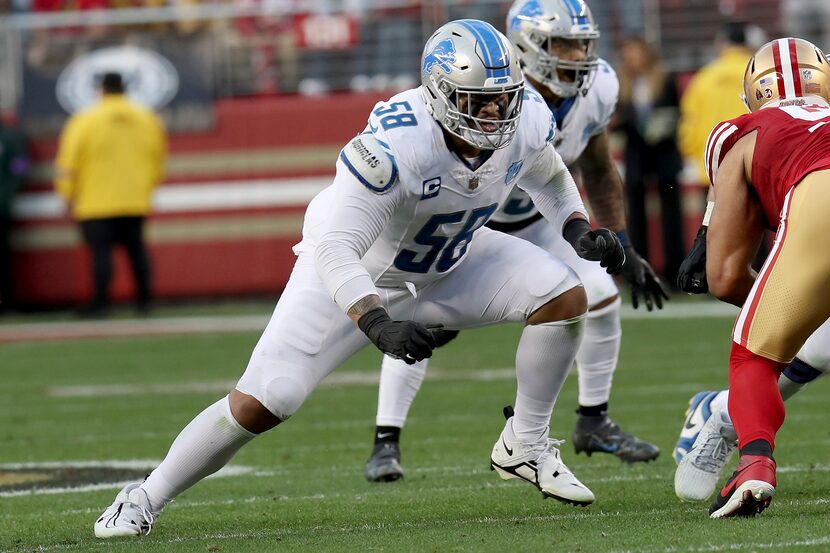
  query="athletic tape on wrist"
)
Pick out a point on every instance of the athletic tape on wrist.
point(708, 215)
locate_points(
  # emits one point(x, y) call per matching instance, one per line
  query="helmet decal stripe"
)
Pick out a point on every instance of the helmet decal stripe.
point(498, 53)
point(794, 66)
point(484, 50)
point(576, 8)
point(784, 66)
point(494, 52)
point(779, 72)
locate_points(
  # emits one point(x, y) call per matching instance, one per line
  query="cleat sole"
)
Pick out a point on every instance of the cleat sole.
point(749, 500)
point(565, 500)
point(506, 475)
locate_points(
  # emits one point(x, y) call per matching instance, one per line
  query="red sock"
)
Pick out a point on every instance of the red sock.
point(755, 404)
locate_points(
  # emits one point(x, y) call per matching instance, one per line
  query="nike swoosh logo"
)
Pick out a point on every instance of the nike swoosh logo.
point(730, 487)
point(382, 435)
point(507, 449)
point(608, 448)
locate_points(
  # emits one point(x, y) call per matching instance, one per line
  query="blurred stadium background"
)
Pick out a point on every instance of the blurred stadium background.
point(259, 96)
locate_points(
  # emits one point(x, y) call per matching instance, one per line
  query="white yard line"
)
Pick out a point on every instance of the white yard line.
point(135, 464)
point(237, 470)
point(474, 521)
point(740, 546)
point(71, 330)
point(222, 386)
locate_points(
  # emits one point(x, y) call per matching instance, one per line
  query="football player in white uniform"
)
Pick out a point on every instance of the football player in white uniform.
point(397, 243)
point(555, 41)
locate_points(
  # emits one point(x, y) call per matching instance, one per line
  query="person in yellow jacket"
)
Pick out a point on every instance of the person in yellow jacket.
point(714, 93)
point(110, 158)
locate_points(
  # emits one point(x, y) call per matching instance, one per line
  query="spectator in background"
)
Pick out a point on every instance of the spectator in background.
point(647, 115)
point(390, 36)
point(14, 167)
point(714, 93)
point(808, 19)
point(110, 159)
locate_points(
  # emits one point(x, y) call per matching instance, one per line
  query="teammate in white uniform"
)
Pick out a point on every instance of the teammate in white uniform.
point(396, 243)
point(555, 40)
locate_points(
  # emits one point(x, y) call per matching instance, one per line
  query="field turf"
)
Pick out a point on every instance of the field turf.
point(124, 399)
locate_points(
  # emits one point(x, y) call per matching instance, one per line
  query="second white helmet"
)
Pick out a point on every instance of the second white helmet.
point(532, 25)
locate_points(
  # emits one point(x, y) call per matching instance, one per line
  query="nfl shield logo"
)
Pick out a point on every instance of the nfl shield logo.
point(472, 183)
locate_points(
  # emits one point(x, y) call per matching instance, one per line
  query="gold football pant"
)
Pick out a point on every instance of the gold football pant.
point(791, 296)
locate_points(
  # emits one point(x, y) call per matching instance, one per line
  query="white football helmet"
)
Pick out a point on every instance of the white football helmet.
point(533, 26)
point(466, 66)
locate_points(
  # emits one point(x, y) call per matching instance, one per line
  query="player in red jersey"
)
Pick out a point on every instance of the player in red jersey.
point(770, 169)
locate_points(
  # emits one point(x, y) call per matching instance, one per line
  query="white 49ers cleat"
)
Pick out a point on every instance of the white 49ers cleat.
point(540, 464)
point(129, 514)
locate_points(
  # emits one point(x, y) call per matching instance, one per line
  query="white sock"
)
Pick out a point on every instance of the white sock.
point(721, 402)
point(399, 383)
point(544, 358)
point(203, 447)
point(596, 359)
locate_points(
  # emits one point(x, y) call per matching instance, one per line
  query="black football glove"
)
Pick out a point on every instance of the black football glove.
point(644, 283)
point(442, 336)
point(691, 277)
point(602, 245)
point(405, 340)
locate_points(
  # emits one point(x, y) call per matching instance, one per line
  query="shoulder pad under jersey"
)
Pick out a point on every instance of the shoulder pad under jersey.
point(607, 83)
point(370, 163)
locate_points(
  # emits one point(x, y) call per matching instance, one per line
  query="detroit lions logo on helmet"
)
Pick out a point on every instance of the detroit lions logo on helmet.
point(443, 55)
point(528, 11)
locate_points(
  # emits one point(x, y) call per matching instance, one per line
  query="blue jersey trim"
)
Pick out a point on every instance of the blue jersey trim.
point(552, 130)
point(561, 111)
point(366, 183)
point(487, 154)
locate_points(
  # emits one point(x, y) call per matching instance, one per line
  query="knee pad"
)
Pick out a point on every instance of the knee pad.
point(284, 396)
point(800, 372)
point(816, 350)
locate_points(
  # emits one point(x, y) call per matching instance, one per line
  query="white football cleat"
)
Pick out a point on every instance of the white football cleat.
point(697, 474)
point(129, 514)
point(699, 411)
point(540, 464)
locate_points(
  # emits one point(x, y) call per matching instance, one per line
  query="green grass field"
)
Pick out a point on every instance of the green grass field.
point(305, 489)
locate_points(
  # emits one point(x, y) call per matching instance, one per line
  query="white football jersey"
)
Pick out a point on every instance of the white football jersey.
point(588, 116)
point(425, 213)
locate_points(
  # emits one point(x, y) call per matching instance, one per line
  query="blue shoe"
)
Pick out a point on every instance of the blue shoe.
point(699, 411)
